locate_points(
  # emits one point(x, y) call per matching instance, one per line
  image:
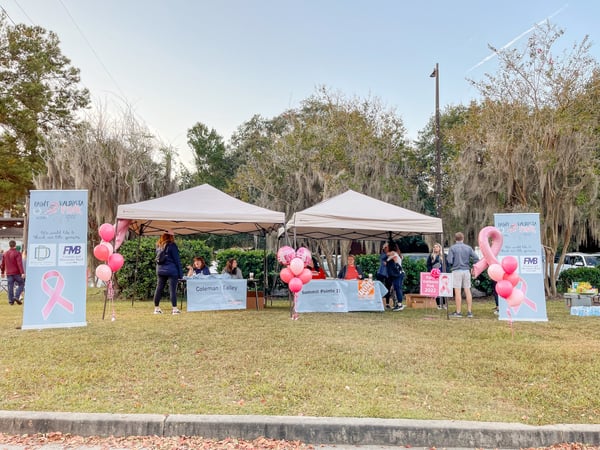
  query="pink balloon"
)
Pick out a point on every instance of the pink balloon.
point(109, 247)
point(496, 272)
point(504, 288)
point(304, 254)
point(297, 266)
point(514, 278)
point(115, 261)
point(295, 285)
point(286, 275)
point(101, 252)
point(106, 232)
point(509, 264)
point(305, 276)
point(516, 298)
point(435, 273)
point(103, 272)
point(285, 254)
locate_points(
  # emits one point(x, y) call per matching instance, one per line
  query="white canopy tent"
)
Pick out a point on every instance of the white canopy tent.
point(355, 216)
point(201, 209)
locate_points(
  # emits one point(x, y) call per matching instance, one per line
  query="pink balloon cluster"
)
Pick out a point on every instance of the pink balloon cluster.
point(435, 273)
point(295, 274)
point(506, 278)
point(104, 252)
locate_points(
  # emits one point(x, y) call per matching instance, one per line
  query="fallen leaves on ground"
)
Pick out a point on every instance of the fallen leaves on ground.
point(67, 441)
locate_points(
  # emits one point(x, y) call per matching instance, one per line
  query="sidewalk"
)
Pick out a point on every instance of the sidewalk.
point(322, 432)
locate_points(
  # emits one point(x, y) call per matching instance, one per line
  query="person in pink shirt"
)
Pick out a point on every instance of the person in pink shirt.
point(12, 266)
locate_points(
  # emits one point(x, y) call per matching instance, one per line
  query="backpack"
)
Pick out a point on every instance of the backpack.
point(161, 256)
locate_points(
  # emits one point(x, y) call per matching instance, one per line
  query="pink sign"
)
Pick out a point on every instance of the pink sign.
point(430, 286)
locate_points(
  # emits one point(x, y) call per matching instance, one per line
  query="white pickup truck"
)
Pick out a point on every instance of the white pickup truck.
point(573, 260)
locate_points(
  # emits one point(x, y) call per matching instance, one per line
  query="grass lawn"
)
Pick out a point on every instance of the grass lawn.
point(410, 364)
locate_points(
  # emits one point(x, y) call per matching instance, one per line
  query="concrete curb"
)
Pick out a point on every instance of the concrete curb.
point(311, 430)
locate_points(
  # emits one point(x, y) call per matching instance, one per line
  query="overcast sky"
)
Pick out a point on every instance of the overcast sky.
point(179, 62)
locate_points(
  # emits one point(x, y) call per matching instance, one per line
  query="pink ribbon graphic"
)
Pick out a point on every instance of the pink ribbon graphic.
point(54, 294)
point(516, 296)
point(489, 253)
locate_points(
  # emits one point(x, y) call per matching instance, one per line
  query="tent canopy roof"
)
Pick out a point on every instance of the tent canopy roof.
point(356, 216)
point(201, 209)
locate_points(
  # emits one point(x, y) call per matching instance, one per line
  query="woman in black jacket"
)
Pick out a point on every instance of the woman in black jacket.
point(168, 268)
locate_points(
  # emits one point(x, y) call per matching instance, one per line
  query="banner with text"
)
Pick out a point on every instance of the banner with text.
point(214, 294)
point(341, 296)
point(521, 239)
point(56, 260)
point(436, 287)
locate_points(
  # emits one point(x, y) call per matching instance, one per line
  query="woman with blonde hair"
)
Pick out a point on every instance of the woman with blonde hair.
point(436, 260)
point(168, 269)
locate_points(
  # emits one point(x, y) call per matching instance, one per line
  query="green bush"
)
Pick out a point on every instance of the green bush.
point(137, 278)
point(250, 261)
point(589, 274)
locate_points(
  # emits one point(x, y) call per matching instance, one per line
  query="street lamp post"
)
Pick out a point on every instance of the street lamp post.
point(438, 163)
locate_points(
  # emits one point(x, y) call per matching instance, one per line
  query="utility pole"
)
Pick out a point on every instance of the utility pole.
point(438, 157)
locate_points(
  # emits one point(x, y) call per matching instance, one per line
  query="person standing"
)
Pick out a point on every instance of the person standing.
point(436, 260)
point(395, 274)
point(382, 275)
point(168, 269)
point(12, 266)
point(460, 258)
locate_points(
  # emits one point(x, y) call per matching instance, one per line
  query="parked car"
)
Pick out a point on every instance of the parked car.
point(573, 260)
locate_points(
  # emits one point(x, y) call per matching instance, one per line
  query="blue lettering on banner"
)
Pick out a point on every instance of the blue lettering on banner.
point(72, 250)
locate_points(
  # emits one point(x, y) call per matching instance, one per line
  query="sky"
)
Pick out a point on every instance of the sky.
point(179, 62)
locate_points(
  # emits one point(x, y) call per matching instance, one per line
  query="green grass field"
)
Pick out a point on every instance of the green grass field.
point(410, 364)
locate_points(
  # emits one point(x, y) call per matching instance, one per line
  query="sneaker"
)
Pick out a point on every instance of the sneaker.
point(18, 301)
point(176, 311)
point(495, 312)
point(400, 307)
point(469, 315)
point(157, 311)
point(388, 307)
point(445, 306)
point(11, 303)
point(456, 314)
point(439, 306)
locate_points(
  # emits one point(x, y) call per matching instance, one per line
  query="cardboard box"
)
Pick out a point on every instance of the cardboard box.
point(420, 301)
point(251, 300)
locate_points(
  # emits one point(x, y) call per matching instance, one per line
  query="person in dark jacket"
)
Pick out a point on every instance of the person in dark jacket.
point(198, 267)
point(168, 269)
point(436, 260)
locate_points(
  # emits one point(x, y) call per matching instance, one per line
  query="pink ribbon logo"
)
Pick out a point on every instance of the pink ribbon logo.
point(504, 273)
point(54, 293)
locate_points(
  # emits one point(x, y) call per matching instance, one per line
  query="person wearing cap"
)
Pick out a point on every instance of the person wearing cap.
point(168, 269)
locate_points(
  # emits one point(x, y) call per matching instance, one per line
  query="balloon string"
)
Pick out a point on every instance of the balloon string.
point(295, 315)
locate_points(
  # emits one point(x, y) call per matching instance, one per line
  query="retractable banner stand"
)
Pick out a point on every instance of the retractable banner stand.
point(521, 239)
point(56, 260)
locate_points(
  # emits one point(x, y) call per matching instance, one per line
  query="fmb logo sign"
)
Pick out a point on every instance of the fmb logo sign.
point(530, 264)
point(71, 255)
point(72, 249)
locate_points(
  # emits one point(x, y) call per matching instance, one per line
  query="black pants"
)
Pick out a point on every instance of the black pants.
point(388, 285)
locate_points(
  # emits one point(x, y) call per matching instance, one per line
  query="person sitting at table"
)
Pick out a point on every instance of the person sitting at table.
point(351, 271)
point(317, 271)
point(198, 267)
point(232, 269)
